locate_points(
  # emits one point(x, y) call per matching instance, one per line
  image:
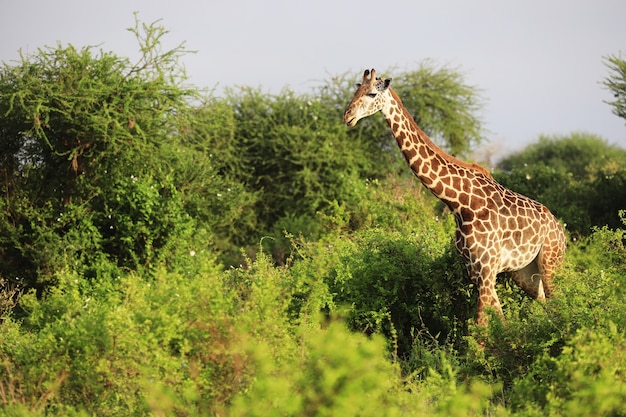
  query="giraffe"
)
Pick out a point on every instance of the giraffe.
point(497, 230)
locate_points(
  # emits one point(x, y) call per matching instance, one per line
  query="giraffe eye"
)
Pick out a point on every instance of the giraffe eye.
point(372, 95)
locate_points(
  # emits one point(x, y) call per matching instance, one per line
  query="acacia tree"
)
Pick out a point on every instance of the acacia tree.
point(95, 162)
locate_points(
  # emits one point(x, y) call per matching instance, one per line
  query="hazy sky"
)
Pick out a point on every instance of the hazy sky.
point(539, 63)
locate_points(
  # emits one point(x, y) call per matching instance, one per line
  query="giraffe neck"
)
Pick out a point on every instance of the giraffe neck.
point(428, 162)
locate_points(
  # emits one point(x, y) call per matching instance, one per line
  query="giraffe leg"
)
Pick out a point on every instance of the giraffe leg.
point(487, 298)
point(550, 255)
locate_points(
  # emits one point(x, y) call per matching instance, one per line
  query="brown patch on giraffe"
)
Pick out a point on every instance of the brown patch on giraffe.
point(426, 180)
point(486, 269)
point(508, 211)
point(482, 214)
point(409, 154)
point(456, 183)
point(480, 227)
point(467, 186)
point(437, 188)
point(491, 203)
point(466, 229)
point(522, 212)
point(528, 234)
point(480, 239)
point(454, 205)
point(467, 215)
point(435, 168)
point(476, 203)
point(450, 193)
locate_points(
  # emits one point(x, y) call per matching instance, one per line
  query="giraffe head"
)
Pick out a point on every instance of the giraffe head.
point(368, 99)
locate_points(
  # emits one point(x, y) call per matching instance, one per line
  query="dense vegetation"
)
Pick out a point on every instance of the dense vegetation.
point(167, 253)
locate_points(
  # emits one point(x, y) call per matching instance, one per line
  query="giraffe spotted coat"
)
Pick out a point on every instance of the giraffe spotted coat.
point(498, 230)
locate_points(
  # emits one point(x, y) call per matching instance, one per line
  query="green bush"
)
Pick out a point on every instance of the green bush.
point(338, 372)
point(208, 175)
point(123, 348)
point(250, 340)
point(587, 378)
point(402, 286)
point(398, 274)
point(335, 371)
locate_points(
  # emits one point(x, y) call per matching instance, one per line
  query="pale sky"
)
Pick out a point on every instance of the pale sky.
point(539, 63)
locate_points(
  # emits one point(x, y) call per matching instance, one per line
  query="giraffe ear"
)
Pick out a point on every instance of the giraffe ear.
point(383, 85)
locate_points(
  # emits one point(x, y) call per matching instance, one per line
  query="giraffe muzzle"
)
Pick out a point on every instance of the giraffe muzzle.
point(349, 118)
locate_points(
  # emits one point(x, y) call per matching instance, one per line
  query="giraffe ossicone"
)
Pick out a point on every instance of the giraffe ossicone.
point(498, 230)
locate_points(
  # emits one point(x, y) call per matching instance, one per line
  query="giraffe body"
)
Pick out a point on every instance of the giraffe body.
point(498, 230)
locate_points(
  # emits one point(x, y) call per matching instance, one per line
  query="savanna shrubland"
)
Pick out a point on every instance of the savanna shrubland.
point(166, 253)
